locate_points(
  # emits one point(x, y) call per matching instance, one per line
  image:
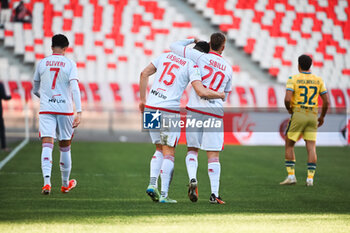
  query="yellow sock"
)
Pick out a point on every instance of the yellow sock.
point(311, 169)
point(290, 164)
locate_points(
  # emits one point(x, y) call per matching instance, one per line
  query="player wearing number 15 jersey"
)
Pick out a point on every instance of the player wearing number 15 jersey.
point(172, 75)
point(217, 76)
point(301, 101)
point(56, 84)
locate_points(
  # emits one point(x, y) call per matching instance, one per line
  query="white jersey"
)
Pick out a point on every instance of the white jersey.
point(216, 75)
point(54, 73)
point(172, 77)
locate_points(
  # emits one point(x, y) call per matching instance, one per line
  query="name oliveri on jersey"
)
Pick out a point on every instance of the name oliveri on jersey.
point(55, 63)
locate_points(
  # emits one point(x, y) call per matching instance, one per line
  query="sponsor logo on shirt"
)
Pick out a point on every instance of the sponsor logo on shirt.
point(158, 94)
point(55, 100)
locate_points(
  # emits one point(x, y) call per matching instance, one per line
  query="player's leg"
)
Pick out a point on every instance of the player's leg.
point(192, 166)
point(169, 139)
point(65, 132)
point(213, 141)
point(47, 132)
point(310, 135)
point(46, 163)
point(155, 165)
point(289, 162)
point(293, 133)
point(166, 173)
point(311, 162)
point(214, 171)
point(194, 140)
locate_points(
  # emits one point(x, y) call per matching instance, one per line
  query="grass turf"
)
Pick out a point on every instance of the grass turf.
point(112, 179)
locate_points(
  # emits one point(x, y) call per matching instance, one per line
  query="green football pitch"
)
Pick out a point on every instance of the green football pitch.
point(112, 179)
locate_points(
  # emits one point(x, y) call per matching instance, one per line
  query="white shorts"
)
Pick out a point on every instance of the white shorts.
point(51, 125)
point(208, 139)
point(168, 136)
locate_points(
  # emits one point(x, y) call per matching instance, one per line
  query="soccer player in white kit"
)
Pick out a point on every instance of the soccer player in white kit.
point(173, 74)
point(56, 84)
point(217, 76)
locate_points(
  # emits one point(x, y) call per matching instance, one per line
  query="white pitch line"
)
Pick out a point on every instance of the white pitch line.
point(13, 153)
point(23, 143)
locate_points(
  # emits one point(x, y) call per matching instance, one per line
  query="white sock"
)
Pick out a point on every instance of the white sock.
point(166, 174)
point(46, 162)
point(156, 164)
point(192, 164)
point(214, 175)
point(65, 165)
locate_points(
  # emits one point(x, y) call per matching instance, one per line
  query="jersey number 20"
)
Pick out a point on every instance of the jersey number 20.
point(56, 70)
point(219, 73)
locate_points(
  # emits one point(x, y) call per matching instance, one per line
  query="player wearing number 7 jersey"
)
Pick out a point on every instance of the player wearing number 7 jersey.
point(301, 101)
point(217, 76)
point(56, 84)
point(172, 75)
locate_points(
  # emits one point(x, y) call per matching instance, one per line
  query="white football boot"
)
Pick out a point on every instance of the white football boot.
point(289, 180)
point(309, 182)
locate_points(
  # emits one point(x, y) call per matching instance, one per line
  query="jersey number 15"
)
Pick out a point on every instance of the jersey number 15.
point(169, 72)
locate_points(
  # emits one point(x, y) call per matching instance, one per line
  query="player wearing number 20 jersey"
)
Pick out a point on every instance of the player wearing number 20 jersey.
point(217, 76)
point(56, 84)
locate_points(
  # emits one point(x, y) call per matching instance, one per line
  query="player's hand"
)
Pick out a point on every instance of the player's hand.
point(196, 40)
point(77, 119)
point(320, 121)
point(222, 95)
point(142, 106)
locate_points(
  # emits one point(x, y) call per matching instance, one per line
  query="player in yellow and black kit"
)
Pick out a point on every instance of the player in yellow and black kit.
point(301, 101)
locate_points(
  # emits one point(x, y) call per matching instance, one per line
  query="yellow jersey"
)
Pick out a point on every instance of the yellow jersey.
point(306, 88)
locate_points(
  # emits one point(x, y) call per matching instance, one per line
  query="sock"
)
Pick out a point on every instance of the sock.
point(166, 173)
point(65, 165)
point(290, 166)
point(214, 169)
point(192, 164)
point(156, 164)
point(311, 169)
point(46, 162)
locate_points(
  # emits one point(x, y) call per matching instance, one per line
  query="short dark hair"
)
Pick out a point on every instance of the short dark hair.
point(60, 41)
point(202, 46)
point(217, 40)
point(305, 62)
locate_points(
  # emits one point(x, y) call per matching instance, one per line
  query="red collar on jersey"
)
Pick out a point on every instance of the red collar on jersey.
point(215, 54)
point(57, 54)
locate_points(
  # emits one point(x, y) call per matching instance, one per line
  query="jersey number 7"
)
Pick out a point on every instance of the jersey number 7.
point(55, 77)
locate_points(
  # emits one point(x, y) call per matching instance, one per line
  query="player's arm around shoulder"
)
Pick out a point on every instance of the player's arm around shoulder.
point(144, 76)
point(204, 92)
